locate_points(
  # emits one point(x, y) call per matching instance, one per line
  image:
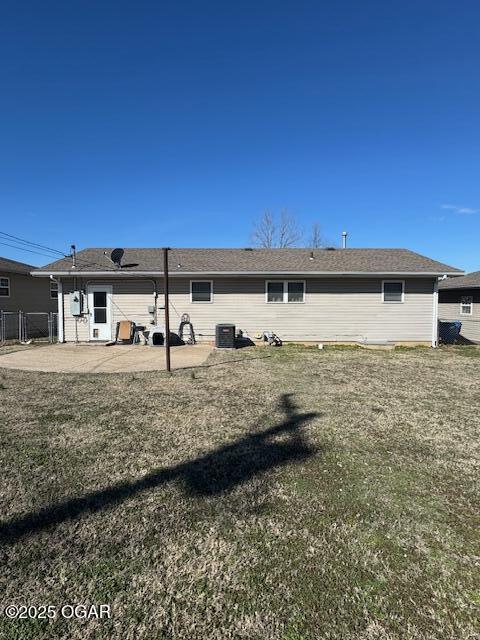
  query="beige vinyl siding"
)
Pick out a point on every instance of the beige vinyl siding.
point(27, 294)
point(130, 301)
point(449, 310)
point(335, 309)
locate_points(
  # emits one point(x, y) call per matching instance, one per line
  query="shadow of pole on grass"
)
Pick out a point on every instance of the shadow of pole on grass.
point(214, 473)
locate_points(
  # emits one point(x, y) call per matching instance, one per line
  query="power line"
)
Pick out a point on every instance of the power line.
point(32, 244)
point(46, 255)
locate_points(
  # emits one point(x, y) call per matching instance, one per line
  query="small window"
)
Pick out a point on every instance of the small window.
point(466, 305)
point(5, 287)
point(285, 291)
point(201, 291)
point(393, 291)
point(53, 289)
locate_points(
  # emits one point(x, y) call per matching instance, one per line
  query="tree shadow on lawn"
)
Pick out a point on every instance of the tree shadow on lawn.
point(212, 474)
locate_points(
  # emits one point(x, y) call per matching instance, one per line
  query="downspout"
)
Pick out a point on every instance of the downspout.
point(60, 311)
point(76, 317)
point(435, 314)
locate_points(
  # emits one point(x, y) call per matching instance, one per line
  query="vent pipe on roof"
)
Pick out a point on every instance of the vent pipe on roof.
point(73, 254)
point(344, 239)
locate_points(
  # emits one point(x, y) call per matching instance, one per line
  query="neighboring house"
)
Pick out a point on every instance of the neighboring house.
point(459, 299)
point(20, 292)
point(337, 295)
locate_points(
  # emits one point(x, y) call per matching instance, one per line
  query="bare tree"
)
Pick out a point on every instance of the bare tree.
point(267, 233)
point(289, 233)
point(316, 239)
point(264, 232)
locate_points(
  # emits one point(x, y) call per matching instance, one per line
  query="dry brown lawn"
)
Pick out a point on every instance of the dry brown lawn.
point(284, 494)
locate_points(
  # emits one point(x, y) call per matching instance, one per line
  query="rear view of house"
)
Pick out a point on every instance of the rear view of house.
point(459, 300)
point(328, 295)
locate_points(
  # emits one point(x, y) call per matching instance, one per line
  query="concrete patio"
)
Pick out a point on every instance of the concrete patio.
point(86, 358)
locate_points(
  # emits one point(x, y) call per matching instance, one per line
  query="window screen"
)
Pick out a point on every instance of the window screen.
point(201, 291)
point(393, 291)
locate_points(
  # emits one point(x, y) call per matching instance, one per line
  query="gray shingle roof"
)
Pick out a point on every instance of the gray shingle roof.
point(12, 266)
point(268, 261)
point(470, 281)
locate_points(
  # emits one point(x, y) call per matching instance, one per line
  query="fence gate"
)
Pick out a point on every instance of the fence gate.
point(20, 326)
point(10, 326)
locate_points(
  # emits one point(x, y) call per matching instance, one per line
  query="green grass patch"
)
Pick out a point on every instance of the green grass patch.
point(280, 493)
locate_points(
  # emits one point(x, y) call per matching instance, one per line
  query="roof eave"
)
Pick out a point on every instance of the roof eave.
point(179, 274)
point(460, 286)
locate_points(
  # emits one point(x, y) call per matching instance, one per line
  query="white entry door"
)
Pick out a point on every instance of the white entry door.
point(100, 310)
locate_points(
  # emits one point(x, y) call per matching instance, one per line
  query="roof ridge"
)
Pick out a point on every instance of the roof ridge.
point(253, 248)
point(23, 264)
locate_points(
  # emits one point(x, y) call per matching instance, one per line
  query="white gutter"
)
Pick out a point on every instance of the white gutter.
point(134, 274)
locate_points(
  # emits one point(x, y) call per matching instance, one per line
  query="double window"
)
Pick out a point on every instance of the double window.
point(466, 305)
point(201, 291)
point(285, 291)
point(393, 291)
point(5, 287)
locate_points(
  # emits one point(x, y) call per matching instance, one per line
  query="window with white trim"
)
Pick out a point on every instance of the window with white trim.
point(5, 287)
point(393, 291)
point(466, 305)
point(53, 289)
point(285, 291)
point(201, 291)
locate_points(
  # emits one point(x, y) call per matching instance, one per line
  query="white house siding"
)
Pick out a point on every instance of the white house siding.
point(449, 310)
point(335, 309)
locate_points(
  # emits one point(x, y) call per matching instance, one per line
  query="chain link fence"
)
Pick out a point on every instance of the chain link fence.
point(21, 326)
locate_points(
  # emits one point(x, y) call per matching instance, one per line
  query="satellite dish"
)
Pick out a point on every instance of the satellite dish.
point(116, 257)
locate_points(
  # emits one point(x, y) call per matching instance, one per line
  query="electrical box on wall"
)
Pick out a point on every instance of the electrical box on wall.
point(76, 303)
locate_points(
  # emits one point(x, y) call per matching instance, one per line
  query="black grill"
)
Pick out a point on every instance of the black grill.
point(225, 336)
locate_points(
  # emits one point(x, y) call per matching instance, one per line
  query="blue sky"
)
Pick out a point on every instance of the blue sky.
point(153, 123)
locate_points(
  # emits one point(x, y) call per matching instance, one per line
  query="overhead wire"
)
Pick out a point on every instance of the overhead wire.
point(31, 244)
point(25, 249)
point(41, 249)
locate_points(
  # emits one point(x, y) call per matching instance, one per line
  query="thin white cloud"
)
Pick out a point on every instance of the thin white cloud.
point(457, 209)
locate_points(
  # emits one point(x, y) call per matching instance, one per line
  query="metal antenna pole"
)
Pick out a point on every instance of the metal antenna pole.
point(167, 314)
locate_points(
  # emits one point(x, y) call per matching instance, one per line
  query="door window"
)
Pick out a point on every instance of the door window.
point(100, 307)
